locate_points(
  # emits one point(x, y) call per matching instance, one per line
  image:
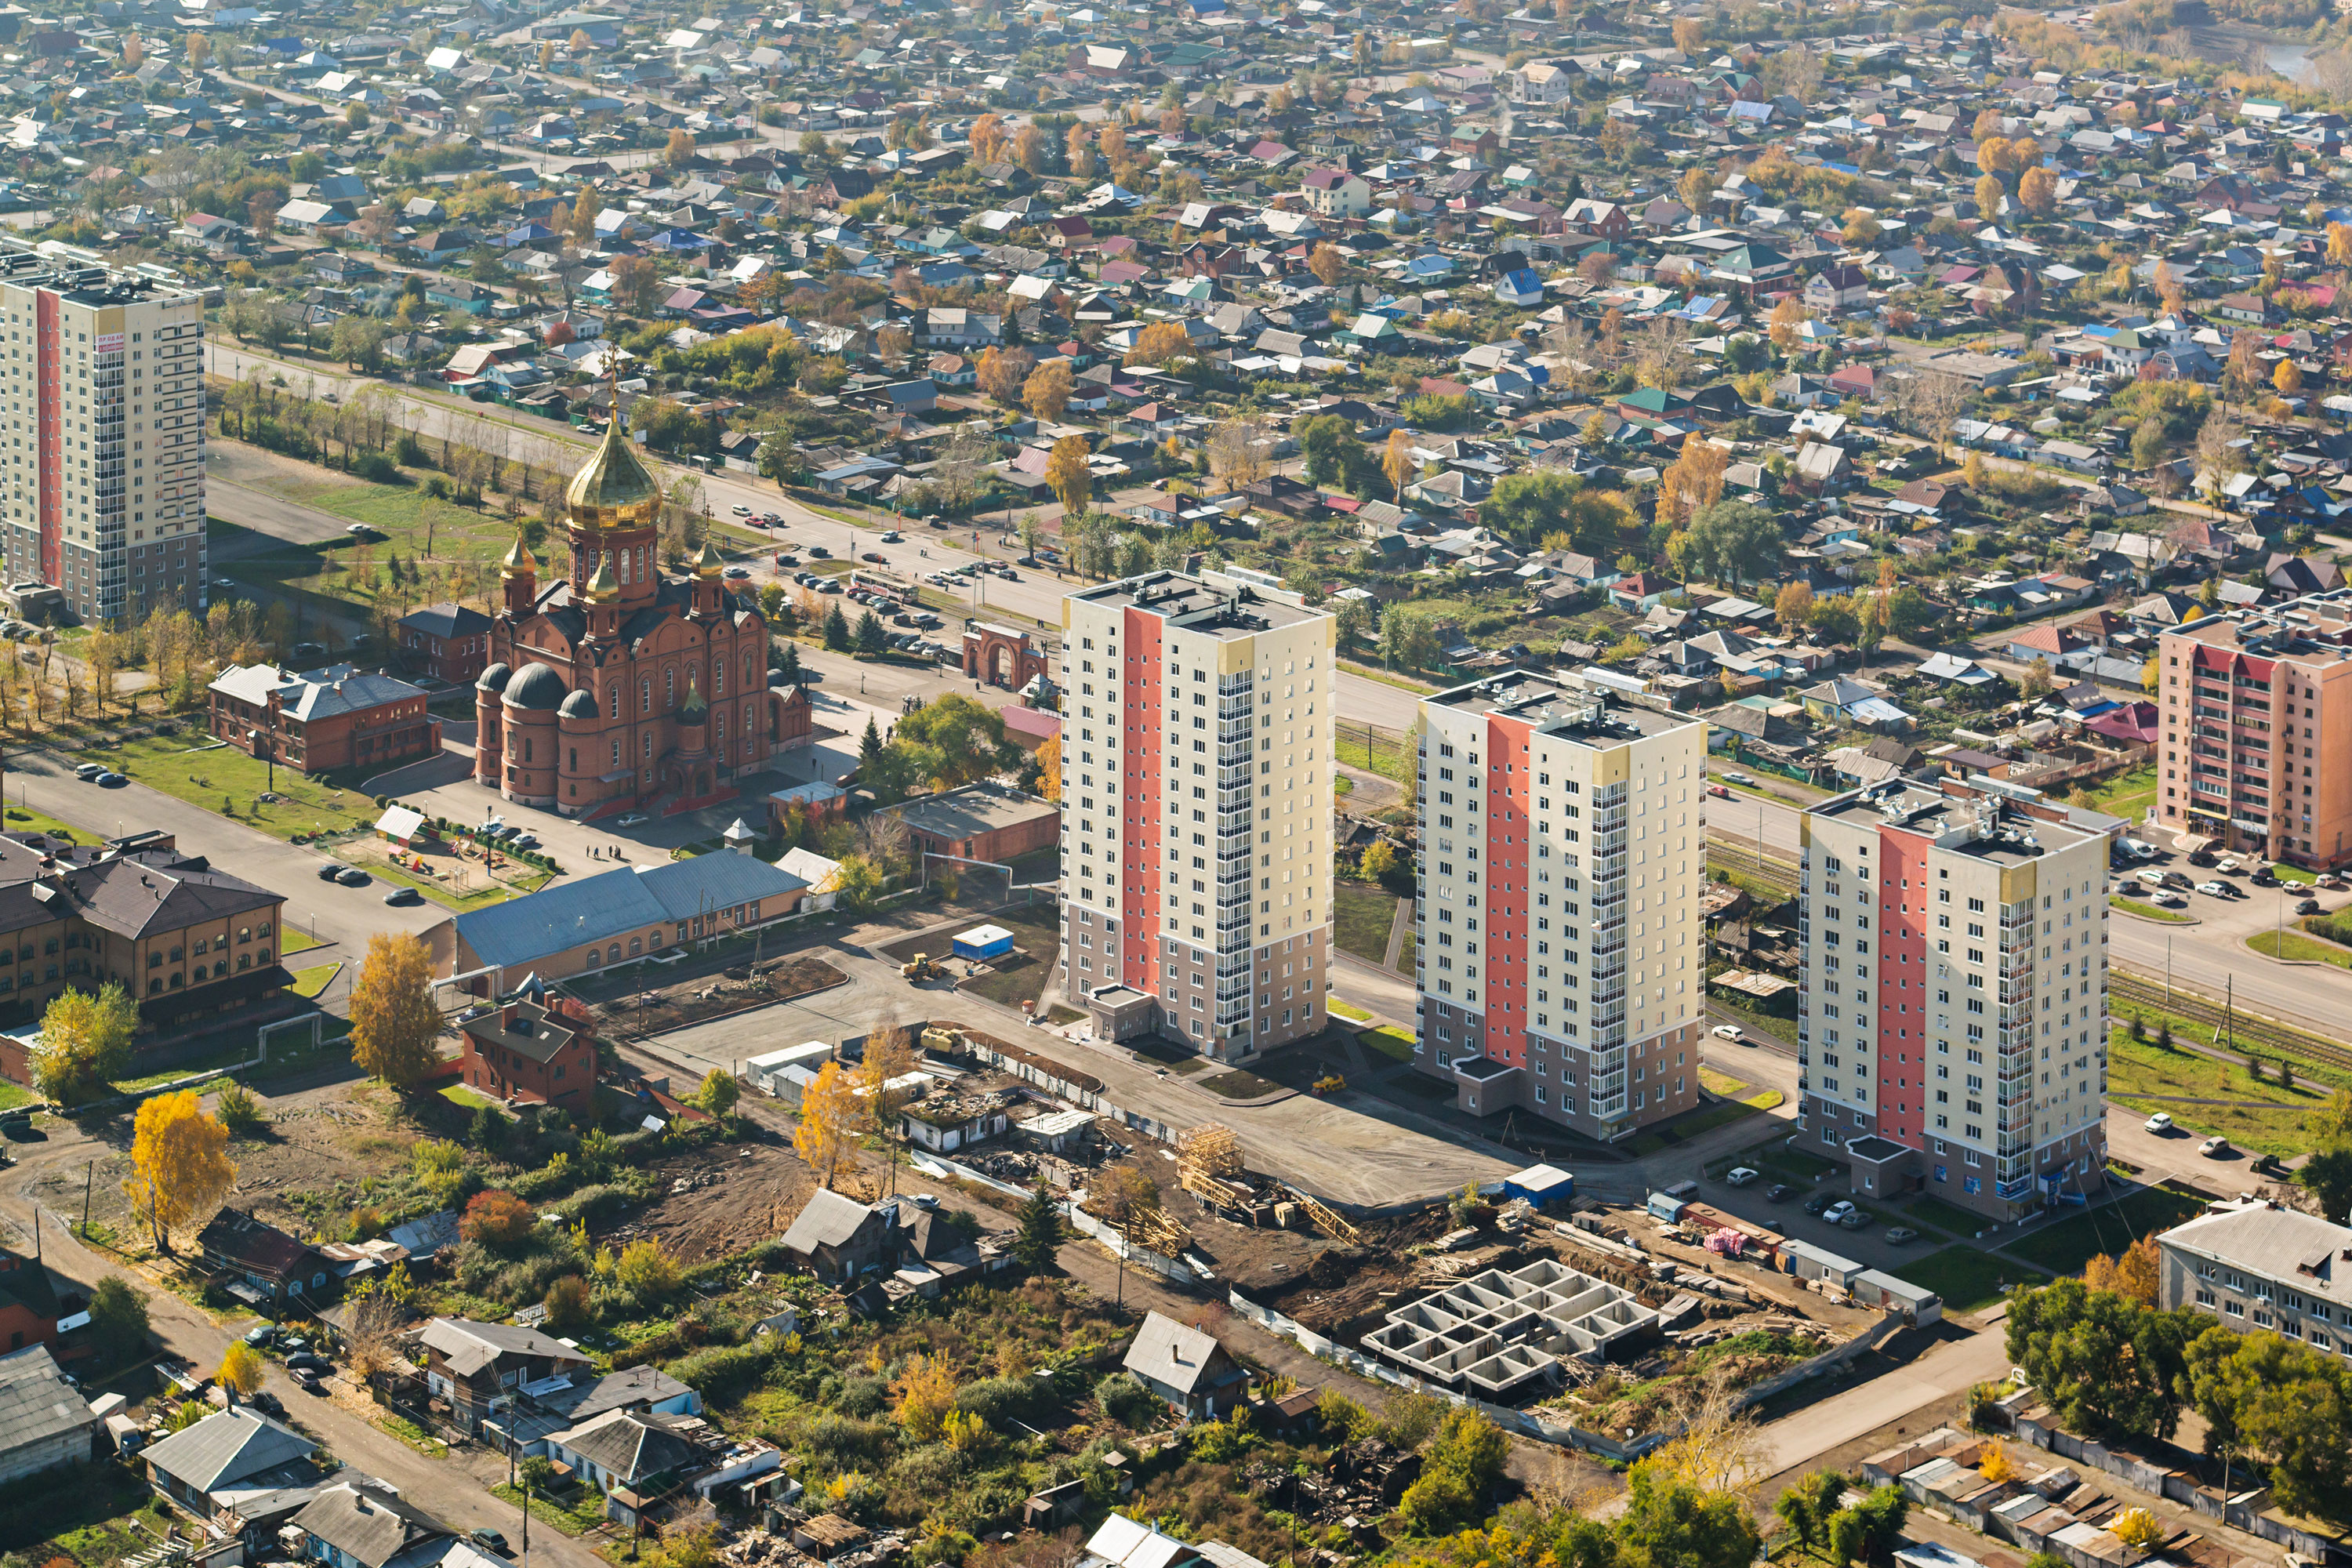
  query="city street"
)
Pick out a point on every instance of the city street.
point(1033, 602)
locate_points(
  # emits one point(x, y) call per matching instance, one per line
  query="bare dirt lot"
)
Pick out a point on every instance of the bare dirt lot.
point(713, 1202)
point(637, 1006)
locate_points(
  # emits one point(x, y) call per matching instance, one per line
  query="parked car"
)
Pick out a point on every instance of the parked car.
point(1740, 779)
point(353, 877)
point(1855, 1218)
point(1739, 1175)
point(330, 870)
point(1900, 1233)
point(111, 781)
point(402, 897)
point(89, 771)
point(1818, 1201)
point(1731, 1032)
point(309, 1383)
point(2160, 1122)
point(306, 1361)
point(260, 1334)
point(633, 820)
point(739, 572)
point(2227, 866)
point(2214, 1147)
point(2138, 850)
point(482, 1535)
point(2307, 906)
point(2217, 890)
point(1837, 1212)
point(1778, 1192)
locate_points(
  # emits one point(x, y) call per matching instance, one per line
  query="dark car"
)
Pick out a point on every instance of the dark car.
point(2307, 906)
point(1778, 1192)
point(488, 1539)
point(404, 896)
point(2261, 877)
point(111, 781)
point(876, 557)
point(330, 870)
point(788, 560)
point(309, 1383)
point(306, 1361)
point(353, 877)
point(1818, 1201)
point(820, 552)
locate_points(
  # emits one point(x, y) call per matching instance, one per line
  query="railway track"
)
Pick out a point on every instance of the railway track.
point(2245, 1030)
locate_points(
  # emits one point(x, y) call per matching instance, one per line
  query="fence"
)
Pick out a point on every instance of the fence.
point(1374, 748)
point(2244, 1510)
point(1165, 1266)
point(938, 1165)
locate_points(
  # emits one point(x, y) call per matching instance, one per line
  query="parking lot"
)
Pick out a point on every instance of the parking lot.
point(2234, 892)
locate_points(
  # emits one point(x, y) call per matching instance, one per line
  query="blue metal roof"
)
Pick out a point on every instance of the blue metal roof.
point(569, 914)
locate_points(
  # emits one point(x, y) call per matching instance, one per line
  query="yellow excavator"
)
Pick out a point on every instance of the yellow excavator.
point(919, 968)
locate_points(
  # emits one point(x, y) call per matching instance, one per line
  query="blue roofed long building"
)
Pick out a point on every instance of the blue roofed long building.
point(595, 922)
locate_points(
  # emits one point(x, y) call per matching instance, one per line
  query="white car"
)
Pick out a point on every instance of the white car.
point(1739, 1176)
point(2160, 1122)
point(1836, 1213)
point(2138, 850)
point(1727, 1032)
point(2214, 1147)
point(633, 820)
point(741, 510)
point(2216, 890)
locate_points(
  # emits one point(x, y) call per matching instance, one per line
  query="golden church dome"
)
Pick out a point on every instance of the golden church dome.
point(707, 562)
point(613, 489)
point(603, 587)
point(519, 561)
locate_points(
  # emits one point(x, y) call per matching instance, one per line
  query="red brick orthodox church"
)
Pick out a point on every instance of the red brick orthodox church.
point(615, 688)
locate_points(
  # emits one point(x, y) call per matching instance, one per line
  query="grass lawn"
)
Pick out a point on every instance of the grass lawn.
point(1388, 753)
point(1716, 1082)
point(193, 767)
point(292, 941)
point(22, 820)
point(1930, 1210)
point(2065, 1247)
point(12, 1095)
point(1343, 1010)
point(550, 1512)
point(1740, 872)
point(2127, 794)
point(2147, 1077)
point(1363, 914)
point(458, 1094)
point(317, 978)
point(1776, 1155)
point(1404, 953)
point(2147, 911)
point(1385, 676)
point(480, 898)
point(1690, 1125)
point(93, 1514)
point(2296, 946)
point(415, 1436)
point(1394, 1043)
point(2294, 874)
point(1743, 1008)
point(1966, 1278)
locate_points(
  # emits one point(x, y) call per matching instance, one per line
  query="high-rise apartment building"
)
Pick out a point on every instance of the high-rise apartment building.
point(2248, 701)
point(103, 486)
point(1558, 951)
point(1196, 799)
point(1953, 1015)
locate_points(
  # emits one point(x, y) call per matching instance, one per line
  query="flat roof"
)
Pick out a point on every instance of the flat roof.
point(1577, 712)
point(1225, 610)
point(973, 810)
point(1988, 825)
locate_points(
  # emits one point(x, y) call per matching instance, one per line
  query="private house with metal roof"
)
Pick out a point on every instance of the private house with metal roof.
point(1185, 1367)
point(45, 1422)
point(531, 1049)
point(200, 1468)
point(261, 1262)
point(474, 1365)
point(449, 642)
point(364, 1523)
point(322, 720)
point(577, 927)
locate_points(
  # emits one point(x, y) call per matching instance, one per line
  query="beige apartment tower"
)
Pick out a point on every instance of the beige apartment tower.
point(1196, 809)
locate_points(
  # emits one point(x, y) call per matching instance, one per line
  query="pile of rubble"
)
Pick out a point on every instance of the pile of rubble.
point(791, 1537)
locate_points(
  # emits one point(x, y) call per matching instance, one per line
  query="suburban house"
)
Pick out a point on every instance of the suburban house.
point(262, 1262)
point(838, 1238)
point(531, 1049)
point(240, 1449)
point(1185, 1367)
point(30, 1307)
point(472, 1364)
point(364, 1523)
point(45, 1422)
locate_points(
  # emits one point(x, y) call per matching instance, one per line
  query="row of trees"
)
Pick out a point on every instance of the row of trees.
point(2112, 1362)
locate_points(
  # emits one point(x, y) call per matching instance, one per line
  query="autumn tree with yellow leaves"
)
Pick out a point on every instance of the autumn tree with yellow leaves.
point(395, 1023)
point(179, 1168)
point(1396, 462)
point(1049, 768)
point(828, 1125)
point(1067, 474)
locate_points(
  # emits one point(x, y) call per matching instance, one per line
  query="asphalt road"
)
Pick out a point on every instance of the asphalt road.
point(1036, 594)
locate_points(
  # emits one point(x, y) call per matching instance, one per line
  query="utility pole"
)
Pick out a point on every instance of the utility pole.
point(88, 1171)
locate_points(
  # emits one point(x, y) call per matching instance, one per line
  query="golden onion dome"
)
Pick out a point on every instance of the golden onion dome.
point(612, 489)
point(603, 587)
point(707, 561)
point(519, 561)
